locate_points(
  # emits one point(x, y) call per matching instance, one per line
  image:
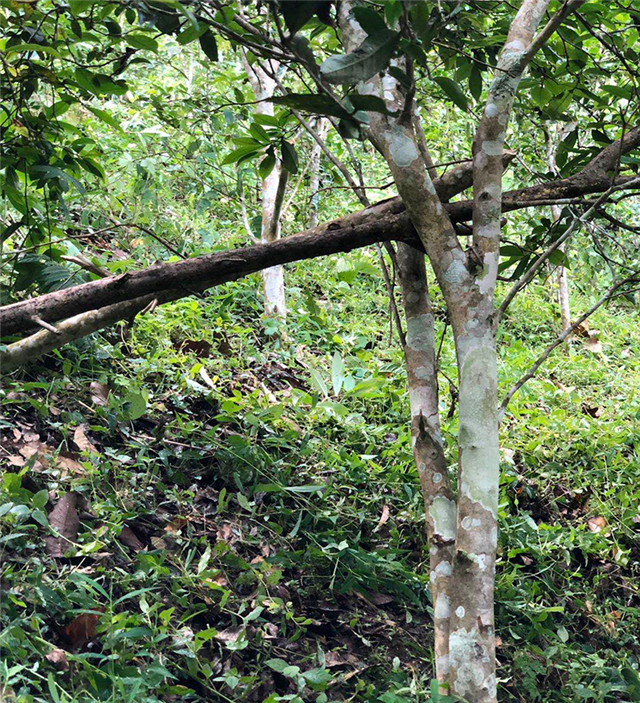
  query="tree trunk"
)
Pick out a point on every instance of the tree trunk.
point(556, 213)
point(467, 280)
point(321, 128)
point(273, 187)
point(428, 452)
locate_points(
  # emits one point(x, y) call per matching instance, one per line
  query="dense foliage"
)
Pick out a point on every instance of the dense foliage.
point(250, 524)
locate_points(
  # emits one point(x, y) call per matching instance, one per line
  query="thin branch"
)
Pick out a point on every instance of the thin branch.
point(543, 36)
point(533, 269)
point(558, 341)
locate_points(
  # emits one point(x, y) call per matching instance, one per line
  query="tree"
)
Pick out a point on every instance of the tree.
point(273, 190)
point(391, 66)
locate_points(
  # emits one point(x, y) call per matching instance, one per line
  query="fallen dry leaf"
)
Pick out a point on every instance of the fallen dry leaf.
point(597, 524)
point(42, 456)
point(128, 537)
point(582, 330)
point(176, 525)
point(592, 411)
point(380, 598)
point(593, 344)
point(231, 634)
point(200, 347)
point(82, 629)
point(384, 517)
point(229, 533)
point(158, 543)
point(81, 440)
point(64, 519)
point(340, 659)
point(58, 657)
point(99, 393)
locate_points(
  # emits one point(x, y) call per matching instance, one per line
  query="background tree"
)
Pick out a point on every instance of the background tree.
point(393, 64)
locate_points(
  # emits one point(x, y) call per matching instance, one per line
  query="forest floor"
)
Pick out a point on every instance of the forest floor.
point(240, 516)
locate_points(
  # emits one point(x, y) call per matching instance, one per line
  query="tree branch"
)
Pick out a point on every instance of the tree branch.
point(535, 267)
point(384, 221)
point(558, 341)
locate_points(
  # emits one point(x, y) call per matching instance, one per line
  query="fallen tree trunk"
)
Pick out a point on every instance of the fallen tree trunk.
point(381, 222)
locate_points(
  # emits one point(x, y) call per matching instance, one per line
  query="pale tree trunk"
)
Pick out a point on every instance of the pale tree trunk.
point(561, 271)
point(321, 127)
point(426, 440)
point(467, 280)
point(273, 189)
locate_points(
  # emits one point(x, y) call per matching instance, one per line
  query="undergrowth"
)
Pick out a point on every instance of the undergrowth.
point(251, 525)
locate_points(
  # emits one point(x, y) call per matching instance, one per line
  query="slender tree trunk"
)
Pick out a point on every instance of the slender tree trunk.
point(428, 452)
point(321, 128)
point(561, 271)
point(467, 280)
point(272, 192)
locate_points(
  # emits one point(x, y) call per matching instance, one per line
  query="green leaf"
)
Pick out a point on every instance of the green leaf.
point(141, 41)
point(40, 499)
point(278, 665)
point(191, 33)
point(136, 405)
point(259, 133)
point(475, 82)
point(453, 91)
point(243, 502)
point(10, 230)
point(632, 681)
point(209, 45)
point(369, 103)
point(267, 165)
point(106, 117)
point(317, 677)
point(311, 488)
point(400, 76)
point(371, 57)
point(369, 20)
point(78, 6)
point(315, 104)
point(289, 157)
point(241, 153)
point(318, 382)
point(296, 14)
point(55, 172)
point(18, 48)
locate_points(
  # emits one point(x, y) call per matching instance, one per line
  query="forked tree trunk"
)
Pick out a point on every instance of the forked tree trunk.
point(467, 280)
point(273, 188)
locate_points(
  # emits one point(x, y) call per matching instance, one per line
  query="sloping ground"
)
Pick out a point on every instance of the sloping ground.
point(239, 518)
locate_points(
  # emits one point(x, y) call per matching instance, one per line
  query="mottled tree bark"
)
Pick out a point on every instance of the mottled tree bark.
point(472, 640)
point(273, 188)
point(426, 440)
point(467, 280)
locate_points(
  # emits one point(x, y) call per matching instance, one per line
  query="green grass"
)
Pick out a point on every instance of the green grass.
point(284, 556)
